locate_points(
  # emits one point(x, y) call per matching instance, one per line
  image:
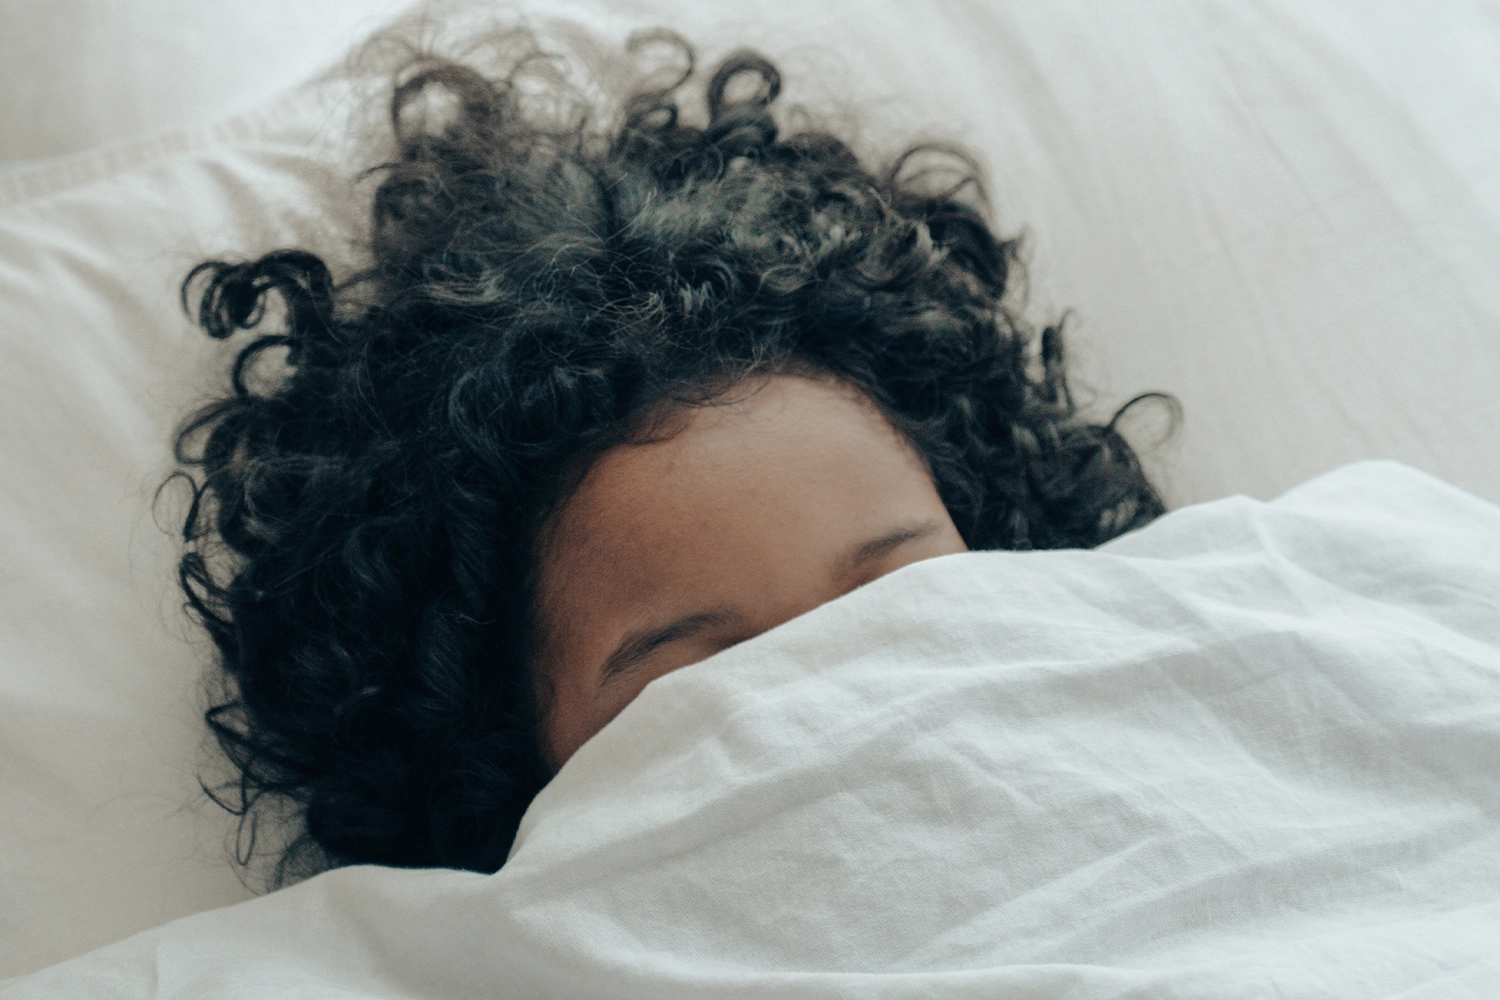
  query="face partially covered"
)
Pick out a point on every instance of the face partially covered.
point(745, 515)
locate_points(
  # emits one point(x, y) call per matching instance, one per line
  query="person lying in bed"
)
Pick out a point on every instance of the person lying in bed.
point(605, 402)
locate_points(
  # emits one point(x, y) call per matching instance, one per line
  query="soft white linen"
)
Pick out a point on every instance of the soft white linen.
point(1287, 212)
point(75, 73)
point(103, 830)
point(1252, 750)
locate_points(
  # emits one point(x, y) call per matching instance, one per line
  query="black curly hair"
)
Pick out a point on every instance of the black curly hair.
point(361, 539)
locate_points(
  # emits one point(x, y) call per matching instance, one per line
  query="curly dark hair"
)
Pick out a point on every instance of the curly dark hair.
point(361, 539)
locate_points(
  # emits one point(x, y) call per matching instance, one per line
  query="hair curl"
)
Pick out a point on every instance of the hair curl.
point(360, 542)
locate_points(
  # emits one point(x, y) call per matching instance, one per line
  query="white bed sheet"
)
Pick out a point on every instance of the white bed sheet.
point(1252, 750)
point(1288, 213)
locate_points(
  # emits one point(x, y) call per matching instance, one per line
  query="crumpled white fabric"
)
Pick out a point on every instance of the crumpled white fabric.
point(1252, 750)
point(1285, 212)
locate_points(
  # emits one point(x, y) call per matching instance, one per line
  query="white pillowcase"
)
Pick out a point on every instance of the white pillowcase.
point(104, 831)
point(1286, 213)
point(75, 73)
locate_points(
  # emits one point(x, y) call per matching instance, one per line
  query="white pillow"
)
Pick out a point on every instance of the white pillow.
point(75, 73)
point(1287, 214)
point(103, 830)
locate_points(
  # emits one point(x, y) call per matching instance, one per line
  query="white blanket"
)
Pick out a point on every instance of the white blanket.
point(1287, 212)
point(1252, 750)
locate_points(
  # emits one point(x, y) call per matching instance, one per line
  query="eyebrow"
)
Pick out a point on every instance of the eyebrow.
point(639, 644)
point(869, 551)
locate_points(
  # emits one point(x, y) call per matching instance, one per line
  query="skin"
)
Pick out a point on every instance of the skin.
point(744, 515)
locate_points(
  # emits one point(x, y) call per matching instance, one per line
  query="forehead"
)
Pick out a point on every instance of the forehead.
point(731, 502)
point(768, 438)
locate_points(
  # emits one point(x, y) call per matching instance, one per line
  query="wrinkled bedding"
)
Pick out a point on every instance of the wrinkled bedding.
point(1285, 212)
point(1251, 750)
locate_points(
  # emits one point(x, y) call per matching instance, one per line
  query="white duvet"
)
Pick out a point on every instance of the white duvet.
point(1250, 751)
point(1286, 212)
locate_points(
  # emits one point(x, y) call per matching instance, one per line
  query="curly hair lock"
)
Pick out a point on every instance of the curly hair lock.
point(361, 537)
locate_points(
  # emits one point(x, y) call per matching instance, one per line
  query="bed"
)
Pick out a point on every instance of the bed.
point(1286, 214)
